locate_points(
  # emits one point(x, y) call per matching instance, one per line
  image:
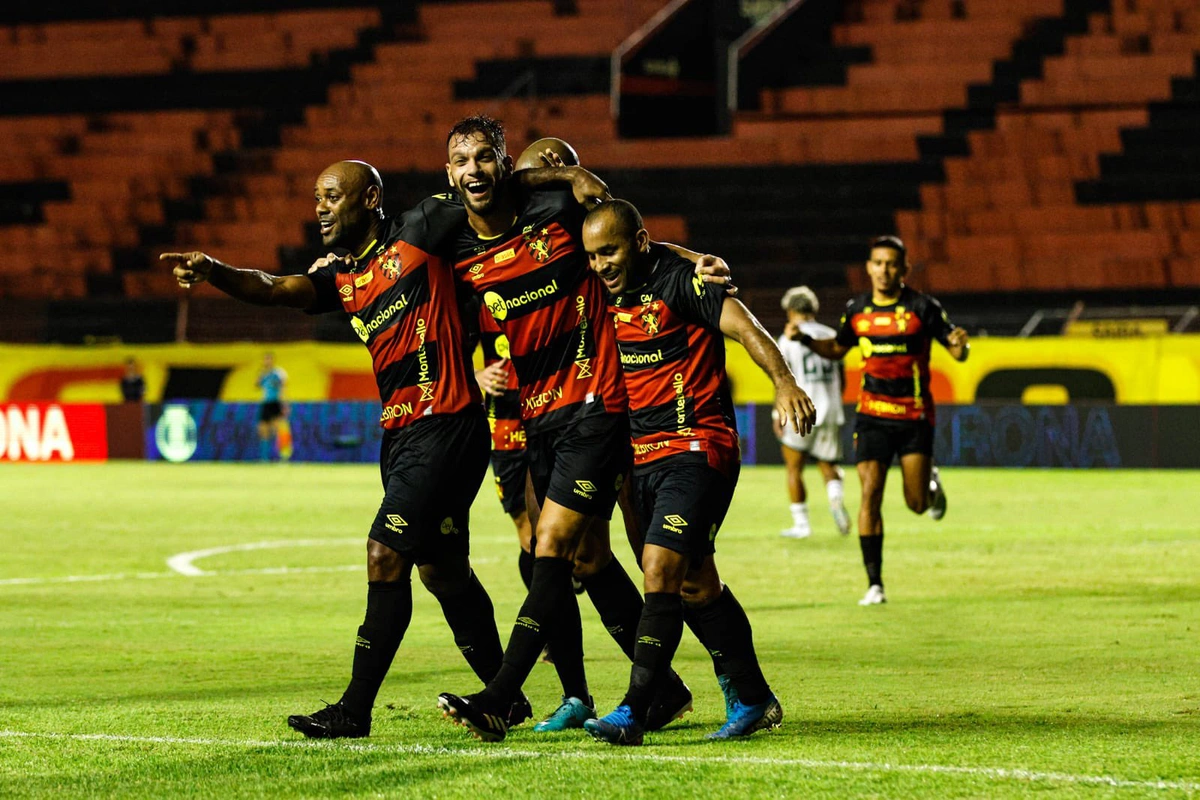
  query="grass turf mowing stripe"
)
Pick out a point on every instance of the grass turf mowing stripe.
point(995, 773)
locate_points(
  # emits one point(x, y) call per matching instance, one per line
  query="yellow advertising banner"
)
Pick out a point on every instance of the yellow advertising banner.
point(1130, 371)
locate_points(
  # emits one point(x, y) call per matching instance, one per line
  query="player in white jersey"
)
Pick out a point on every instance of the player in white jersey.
point(822, 379)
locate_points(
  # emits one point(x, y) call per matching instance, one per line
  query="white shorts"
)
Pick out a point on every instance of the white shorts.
point(823, 444)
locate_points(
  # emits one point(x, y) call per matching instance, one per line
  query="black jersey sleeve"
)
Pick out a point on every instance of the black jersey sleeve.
point(686, 293)
point(433, 222)
point(935, 320)
point(324, 280)
point(846, 336)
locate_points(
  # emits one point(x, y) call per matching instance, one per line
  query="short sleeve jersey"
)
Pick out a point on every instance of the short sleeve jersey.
point(535, 282)
point(820, 378)
point(503, 412)
point(271, 382)
point(673, 358)
point(402, 305)
point(895, 341)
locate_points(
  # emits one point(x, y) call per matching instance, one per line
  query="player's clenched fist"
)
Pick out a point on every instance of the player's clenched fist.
point(190, 268)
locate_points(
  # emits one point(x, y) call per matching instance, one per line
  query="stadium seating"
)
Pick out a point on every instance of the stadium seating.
point(1009, 217)
point(1019, 145)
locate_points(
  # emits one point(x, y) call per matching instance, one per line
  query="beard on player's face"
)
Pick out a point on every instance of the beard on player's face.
point(477, 172)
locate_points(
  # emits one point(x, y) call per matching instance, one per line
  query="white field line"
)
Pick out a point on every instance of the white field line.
point(182, 562)
point(129, 576)
point(500, 752)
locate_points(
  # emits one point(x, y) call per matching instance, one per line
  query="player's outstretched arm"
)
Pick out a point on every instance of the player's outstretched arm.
point(248, 285)
point(825, 348)
point(792, 404)
point(589, 189)
point(958, 344)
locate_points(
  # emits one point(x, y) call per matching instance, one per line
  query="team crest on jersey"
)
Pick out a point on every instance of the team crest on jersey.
point(391, 265)
point(539, 244)
point(650, 322)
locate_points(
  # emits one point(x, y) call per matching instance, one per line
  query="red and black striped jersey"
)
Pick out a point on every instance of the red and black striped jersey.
point(403, 307)
point(535, 282)
point(673, 359)
point(503, 412)
point(895, 341)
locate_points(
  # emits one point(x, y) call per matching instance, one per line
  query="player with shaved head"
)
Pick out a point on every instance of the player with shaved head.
point(399, 297)
point(670, 330)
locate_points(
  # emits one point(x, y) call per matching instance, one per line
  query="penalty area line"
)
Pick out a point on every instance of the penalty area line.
point(500, 752)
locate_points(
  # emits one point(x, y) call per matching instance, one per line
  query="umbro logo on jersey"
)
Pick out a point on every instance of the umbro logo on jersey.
point(476, 271)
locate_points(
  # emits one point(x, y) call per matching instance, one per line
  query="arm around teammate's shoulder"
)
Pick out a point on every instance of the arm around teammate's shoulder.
point(792, 404)
point(248, 285)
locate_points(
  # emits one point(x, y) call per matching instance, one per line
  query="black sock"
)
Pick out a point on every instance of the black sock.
point(689, 618)
point(619, 603)
point(389, 610)
point(472, 618)
point(550, 605)
point(568, 640)
point(525, 567)
point(658, 636)
point(872, 552)
point(729, 636)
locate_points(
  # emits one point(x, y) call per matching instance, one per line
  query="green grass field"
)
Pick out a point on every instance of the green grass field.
point(1043, 638)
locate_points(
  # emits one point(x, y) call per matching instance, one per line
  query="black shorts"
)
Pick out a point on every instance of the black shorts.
point(878, 439)
point(270, 411)
point(509, 468)
point(582, 465)
point(431, 470)
point(681, 506)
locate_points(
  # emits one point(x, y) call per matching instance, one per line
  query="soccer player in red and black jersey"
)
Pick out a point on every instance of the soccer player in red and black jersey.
point(400, 299)
point(521, 252)
point(670, 329)
point(895, 327)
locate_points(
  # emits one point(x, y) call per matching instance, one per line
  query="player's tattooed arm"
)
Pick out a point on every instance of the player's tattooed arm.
point(589, 190)
point(248, 285)
point(792, 404)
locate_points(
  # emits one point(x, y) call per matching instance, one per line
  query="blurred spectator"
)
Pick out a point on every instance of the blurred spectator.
point(133, 385)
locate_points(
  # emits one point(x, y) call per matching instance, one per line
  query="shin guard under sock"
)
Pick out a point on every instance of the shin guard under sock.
point(550, 605)
point(472, 619)
point(727, 631)
point(389, 610)
point(618, 602)
point(658, 635)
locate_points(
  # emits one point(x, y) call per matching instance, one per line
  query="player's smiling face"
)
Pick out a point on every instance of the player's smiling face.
point(613, 251)
point(476, 170)
point(342, 215)
point(886, 269)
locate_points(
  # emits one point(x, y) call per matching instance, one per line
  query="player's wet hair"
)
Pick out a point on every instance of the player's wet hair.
point(800, 299)
point(892, 243)
point(622, 211)
point(492, 130)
